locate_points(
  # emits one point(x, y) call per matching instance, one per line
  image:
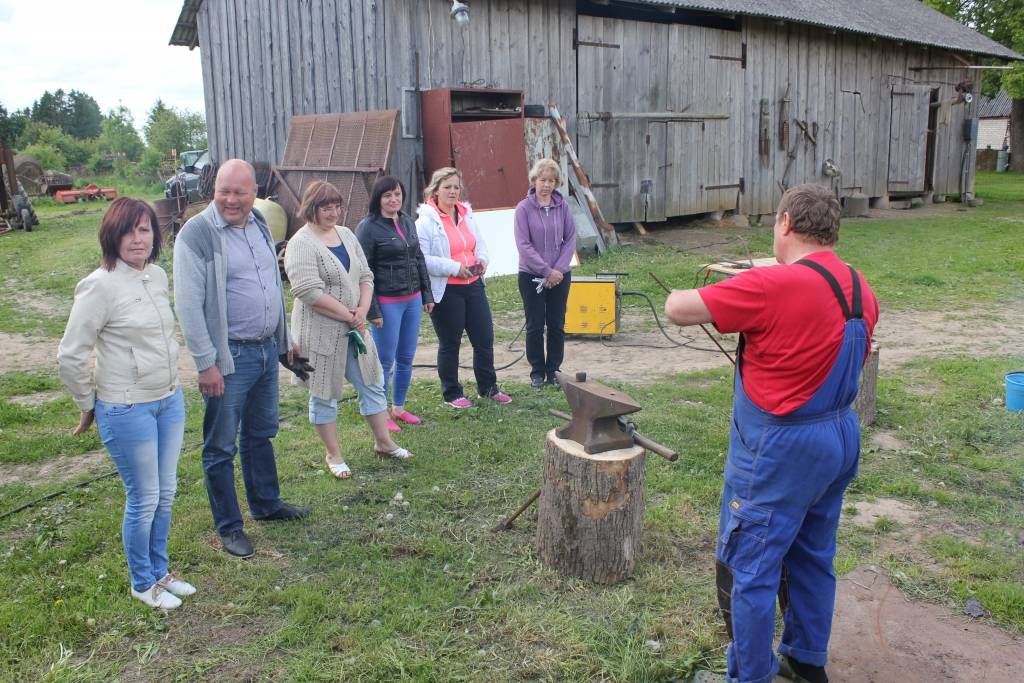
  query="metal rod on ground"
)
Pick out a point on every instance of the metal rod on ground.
point(610, 237)
point(507, 524)
point(706, 330)
point(642, 441)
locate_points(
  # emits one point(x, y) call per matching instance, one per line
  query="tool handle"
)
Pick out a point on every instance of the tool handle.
point(642, 441)
point(655, 447)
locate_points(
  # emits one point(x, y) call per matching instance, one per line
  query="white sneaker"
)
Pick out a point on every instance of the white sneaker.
point(156, 596)
point(177, 586)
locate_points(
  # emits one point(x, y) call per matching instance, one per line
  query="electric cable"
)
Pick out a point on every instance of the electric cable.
point(690, 342)
point(508, 347)
point(105, 475)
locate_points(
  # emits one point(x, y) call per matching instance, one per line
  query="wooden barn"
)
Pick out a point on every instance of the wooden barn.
point(675, 107)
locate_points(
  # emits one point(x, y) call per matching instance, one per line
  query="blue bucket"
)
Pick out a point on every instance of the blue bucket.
point(1015, 391)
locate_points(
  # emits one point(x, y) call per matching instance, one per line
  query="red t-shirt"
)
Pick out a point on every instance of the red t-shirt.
point(793, 326)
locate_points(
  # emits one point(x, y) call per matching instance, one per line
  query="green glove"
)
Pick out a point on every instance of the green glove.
point(357, 339)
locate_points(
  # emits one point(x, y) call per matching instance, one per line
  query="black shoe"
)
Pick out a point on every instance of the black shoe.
point(286, 512)
point(537, 382)
point(553, 381)
point(800, 672)
point(237, 543)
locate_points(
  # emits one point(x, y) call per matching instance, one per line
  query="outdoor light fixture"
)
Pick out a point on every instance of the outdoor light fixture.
point(460, 13)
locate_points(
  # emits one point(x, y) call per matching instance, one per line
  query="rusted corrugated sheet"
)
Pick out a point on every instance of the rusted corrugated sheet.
point(350, 151)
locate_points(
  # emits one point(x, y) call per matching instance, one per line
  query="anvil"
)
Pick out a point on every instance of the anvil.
point(595, 414)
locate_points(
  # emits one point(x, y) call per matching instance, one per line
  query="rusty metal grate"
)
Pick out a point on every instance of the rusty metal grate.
point(350, 151)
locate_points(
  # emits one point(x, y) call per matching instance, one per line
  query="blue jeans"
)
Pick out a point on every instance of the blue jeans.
point(372, 399)
point(249, 404)
point(144, 441)
point(396, 344)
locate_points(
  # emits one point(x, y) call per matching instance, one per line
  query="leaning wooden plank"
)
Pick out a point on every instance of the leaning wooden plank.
point(584, 182)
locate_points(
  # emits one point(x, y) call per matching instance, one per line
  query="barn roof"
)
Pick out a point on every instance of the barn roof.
point(995, 107)
point(186, 31)
point(909, 21)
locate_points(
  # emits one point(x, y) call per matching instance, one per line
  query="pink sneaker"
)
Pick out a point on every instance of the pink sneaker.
point(407, 417)
point(392, 427)
point(500, 397)
point(460, 402)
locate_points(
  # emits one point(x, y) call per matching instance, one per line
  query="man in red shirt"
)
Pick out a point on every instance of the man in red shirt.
point(805, 330)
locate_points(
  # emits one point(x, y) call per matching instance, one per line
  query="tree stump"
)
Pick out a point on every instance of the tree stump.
point(864, 404)
point(591, 510)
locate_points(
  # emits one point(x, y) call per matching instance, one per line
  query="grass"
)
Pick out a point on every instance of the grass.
point(367, 590)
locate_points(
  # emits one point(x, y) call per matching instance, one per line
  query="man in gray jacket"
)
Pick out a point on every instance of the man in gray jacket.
point(230, 304)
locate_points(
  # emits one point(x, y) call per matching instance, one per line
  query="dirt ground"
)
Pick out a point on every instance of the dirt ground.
point(879, 635)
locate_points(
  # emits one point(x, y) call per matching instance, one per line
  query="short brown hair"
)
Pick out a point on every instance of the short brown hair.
point(317, 194)
point(814, 212)
point(120, 219)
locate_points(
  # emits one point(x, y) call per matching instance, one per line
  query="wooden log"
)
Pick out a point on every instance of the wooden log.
point(864, 404)
point(591, 510)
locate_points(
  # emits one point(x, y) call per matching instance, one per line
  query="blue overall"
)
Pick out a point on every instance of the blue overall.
point(784, 483)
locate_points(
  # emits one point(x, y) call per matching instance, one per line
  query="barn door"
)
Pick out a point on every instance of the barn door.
point(622, 71)
point(705, 156)
point(908, 138)
point(634, 80)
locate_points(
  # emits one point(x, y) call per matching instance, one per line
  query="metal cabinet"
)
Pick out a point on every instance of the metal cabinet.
point(480, 131)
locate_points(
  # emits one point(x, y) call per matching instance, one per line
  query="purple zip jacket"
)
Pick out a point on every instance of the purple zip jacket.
point(545, 235)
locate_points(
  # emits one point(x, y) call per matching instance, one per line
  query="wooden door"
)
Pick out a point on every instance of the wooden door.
point(908, 138)
point(622, 70)
point(634, 80)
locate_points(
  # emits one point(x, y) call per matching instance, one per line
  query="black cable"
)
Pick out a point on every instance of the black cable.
point(508, 347)
point(81, 484)
point(688, 344)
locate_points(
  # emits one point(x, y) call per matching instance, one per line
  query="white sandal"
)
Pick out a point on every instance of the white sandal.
point(339, 470)
point(398, 453)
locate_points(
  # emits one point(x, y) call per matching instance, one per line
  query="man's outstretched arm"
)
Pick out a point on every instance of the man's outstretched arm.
point(686, 307)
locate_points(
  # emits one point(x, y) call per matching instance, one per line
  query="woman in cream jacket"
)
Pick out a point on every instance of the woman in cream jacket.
point(121, 311)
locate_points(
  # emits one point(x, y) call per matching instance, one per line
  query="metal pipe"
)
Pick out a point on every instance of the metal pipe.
point(655, 115)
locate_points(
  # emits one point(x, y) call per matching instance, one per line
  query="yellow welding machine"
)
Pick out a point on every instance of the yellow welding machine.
point(593, 306)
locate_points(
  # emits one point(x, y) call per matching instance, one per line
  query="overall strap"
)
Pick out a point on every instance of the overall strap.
point(858, 306)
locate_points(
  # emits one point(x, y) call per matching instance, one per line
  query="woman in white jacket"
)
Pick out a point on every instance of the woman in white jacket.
point(456, 257)
point(122, 311)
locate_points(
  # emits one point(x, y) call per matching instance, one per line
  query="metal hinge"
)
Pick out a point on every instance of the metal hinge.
point(742, 59)
point(576, 42)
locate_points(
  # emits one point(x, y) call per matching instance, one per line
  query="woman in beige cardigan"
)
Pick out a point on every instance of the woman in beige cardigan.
point(333, 287)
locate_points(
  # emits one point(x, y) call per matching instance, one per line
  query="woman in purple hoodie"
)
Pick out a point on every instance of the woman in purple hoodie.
point(546, 239)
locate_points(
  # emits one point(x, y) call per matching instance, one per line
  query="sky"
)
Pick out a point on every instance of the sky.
point(114, 50)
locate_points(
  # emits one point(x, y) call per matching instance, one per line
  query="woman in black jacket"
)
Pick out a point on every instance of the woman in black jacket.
point(401, 287)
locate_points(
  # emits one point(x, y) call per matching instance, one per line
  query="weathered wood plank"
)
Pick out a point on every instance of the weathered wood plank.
point(210, 78)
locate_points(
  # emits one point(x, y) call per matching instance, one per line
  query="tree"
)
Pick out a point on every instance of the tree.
point(1003, 22)
point(11, 125)
point(118, 134)
point(74, 112)
point(85, 119)
point(169, 129)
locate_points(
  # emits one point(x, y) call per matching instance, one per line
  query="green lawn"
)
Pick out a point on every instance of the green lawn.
point(367, 590)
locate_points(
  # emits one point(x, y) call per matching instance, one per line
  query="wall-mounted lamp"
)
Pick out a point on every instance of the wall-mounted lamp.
point(460, 13)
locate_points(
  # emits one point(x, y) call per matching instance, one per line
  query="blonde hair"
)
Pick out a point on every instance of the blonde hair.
point(542, 165)
point(440, 175)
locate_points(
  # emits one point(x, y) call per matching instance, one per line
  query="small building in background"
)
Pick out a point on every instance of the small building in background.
point(994, 122)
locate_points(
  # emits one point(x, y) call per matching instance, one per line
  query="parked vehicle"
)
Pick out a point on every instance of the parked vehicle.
point(186, 181)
